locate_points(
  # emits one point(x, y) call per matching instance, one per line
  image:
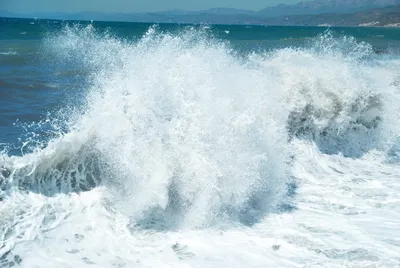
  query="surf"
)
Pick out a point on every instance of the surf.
point(178, 131)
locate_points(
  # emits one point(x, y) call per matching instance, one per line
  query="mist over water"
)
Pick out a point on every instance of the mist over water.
point(178, 136)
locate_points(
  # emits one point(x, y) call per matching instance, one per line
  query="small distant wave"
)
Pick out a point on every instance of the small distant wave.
point(9, 53)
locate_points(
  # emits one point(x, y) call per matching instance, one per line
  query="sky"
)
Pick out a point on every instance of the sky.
point(28, 6)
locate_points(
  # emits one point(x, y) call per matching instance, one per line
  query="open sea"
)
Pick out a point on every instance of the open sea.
point(166, 145)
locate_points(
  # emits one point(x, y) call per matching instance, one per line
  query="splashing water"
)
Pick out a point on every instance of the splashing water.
point(180, 138)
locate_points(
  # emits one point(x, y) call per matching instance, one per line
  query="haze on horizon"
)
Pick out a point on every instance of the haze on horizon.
point(126, 6)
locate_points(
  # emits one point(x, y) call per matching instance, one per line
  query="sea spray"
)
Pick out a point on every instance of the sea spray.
point(185, 152)
point(183, 136)
point(184, 132)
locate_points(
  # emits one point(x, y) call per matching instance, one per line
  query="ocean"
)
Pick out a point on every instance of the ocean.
point(166, 145)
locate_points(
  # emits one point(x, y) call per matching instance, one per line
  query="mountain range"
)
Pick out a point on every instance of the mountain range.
point(326, 6)
point(317, 12)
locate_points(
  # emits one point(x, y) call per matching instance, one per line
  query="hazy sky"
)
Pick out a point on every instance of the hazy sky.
point(131, 5)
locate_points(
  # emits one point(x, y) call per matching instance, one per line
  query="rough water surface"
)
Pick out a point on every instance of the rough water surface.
point(189, 146)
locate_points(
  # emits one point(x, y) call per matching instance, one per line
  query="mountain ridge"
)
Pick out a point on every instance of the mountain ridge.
point(319, 14)
point(326, 6)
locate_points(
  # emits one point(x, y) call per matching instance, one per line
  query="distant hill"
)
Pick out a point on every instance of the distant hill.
point(214, 16)
point(6, 14)
point(318, 12)
point(388, 16)
point(326, 6)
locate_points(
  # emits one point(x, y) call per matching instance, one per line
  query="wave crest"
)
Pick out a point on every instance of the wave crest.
point(184, 132)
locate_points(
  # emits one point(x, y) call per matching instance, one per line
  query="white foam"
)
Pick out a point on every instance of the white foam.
point(192, 145)
point(9, 53)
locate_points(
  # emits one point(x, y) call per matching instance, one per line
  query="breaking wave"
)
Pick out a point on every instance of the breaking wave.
point(182, 131)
